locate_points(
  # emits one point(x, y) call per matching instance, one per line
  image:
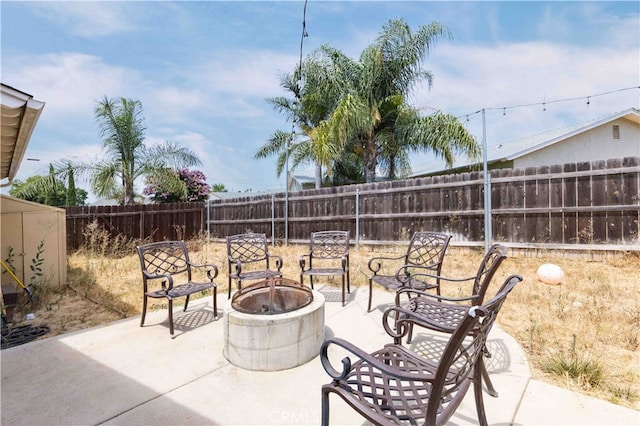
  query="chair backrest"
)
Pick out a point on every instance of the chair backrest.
point(164, 257)
point(464, 349)
point(427, 249)
point(329, 244)
point(488, 267)
point(248, 248)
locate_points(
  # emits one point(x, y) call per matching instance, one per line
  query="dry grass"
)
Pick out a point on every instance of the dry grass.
point(582, 334)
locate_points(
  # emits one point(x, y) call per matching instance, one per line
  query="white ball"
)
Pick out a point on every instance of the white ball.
point(549, 273)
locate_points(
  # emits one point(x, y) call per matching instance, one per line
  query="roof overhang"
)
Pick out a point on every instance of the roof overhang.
point(18, 117)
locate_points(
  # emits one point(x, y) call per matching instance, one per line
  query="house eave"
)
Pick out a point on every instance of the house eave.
point(19, 115)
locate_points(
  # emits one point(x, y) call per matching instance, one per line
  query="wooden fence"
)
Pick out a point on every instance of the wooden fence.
point(144, 222)
point(582, 205)
point(586, 204)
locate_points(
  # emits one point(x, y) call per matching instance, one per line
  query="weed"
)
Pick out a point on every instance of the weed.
point(622, 393)
point(586, 372)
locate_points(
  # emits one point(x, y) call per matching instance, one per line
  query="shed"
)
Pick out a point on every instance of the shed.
point(34, 235)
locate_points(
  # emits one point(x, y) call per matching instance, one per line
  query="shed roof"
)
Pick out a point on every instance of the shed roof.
point(19, 114)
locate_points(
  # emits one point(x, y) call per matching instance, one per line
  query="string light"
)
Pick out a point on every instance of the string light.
point(545, 102)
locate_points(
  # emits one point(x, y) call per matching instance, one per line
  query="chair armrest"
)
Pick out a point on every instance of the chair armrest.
point(165, 277)
point(302, 260)
point(359, 353)
point(278, 260)
point(375, 263)
point(238, 264)
point(209, 266)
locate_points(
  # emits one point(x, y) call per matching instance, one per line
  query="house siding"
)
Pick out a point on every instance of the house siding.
point(592, 145)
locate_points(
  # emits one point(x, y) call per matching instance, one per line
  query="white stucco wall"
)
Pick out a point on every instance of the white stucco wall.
point(595, 144)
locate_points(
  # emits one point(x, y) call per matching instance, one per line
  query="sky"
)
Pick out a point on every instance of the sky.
point(204, 69)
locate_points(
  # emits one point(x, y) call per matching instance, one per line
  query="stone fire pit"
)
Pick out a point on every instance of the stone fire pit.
point(273, 325)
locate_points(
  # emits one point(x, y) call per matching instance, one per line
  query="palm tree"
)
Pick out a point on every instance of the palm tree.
point(371, 107)
point(127, 158)
point(293, 146)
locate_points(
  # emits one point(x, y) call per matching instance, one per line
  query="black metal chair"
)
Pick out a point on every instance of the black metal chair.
point(443, 314)
point(425, 254)
point(326, 249)
point(394, 385)
point(164, 262)
point(249, 259)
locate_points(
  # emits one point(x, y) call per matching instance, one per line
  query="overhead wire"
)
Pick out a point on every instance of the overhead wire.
point(545, 103)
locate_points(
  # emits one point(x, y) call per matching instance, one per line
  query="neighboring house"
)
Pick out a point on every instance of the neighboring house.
point(614, 136)
point(301, 183)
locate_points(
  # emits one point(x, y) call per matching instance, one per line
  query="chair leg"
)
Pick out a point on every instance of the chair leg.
point(229, 289)
point(343, 290)
point(186, 303)
point(485, 375)
point(171, 316)
point(348, 283)
point(215, 302)
point(477, 390)
point(370, 291)
point(410, 333)
point(325, 408)
point(144, 310)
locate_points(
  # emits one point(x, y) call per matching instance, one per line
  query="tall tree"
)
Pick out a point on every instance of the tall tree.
point(48, 190)
point(122, 129)
point(286, 145)
point(372, 110)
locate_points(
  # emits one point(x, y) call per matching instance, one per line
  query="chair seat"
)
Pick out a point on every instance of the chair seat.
point(256, 275)
point(181, 290)
point(441, 316)
point(383, 393)
point(392, 282)
point(325, 271)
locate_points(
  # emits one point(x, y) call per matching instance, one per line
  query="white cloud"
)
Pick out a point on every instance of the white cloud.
point(88, 19)
point(69, 83)
point(253, 74)
point(469, 78)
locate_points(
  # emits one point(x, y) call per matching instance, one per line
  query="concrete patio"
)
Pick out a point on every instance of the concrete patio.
point(121, 374)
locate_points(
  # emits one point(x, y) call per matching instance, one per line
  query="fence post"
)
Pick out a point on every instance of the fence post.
point(357, 218)
point(488, 233)
point(208, 220)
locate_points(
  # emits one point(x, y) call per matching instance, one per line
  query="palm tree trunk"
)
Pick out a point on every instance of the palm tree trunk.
point(318, 176)
point(370, 160)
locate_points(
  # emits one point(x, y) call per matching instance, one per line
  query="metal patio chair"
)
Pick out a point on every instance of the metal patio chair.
point(249, 259)
point(395, 385)
point(165, 262)
point(443, 314)
point(425, 253)
point(328, 256)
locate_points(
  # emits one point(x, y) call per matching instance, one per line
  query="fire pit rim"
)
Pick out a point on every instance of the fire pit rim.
point(273, 283)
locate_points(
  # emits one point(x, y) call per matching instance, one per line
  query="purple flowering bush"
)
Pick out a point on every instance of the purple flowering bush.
point(171, 188)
